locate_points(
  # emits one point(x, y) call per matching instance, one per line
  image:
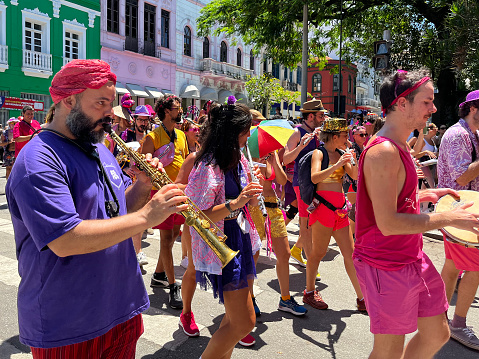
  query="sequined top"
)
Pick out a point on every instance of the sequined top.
point(336, 176)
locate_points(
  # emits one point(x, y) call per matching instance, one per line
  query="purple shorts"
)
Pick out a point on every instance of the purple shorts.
point(396, 299)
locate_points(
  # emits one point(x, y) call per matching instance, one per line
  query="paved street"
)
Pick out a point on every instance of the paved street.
point(339, 332)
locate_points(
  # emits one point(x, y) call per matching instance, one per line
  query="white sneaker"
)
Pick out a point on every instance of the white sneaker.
point(141, 258)
point(184, 262)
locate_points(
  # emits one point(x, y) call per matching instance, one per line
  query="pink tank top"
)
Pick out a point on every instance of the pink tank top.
point(380, 251)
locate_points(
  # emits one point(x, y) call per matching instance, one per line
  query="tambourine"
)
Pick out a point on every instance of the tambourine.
point(448, 203)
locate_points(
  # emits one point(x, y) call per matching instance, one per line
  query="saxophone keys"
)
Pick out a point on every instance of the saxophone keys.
point(205, 224)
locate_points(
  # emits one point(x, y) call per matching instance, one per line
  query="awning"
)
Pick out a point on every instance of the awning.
point(223, 95)
point(207, 93)
point(137, 90)
point(190, 91)
point(120, 89)
point(153, 92)
point(167, 92)
point(241, 98)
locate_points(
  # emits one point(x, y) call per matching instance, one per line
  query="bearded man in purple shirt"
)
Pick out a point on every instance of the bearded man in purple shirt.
point(74, 212)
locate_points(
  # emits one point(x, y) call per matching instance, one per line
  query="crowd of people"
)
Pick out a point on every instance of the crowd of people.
point(80, 208)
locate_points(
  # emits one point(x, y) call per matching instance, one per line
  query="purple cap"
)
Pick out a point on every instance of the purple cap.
point(471, 96)
point(142, 111)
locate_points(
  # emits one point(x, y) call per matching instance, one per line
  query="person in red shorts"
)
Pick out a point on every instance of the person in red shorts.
point(330, 218)
point(458, 168)
point(402, 289)
point(170, 146)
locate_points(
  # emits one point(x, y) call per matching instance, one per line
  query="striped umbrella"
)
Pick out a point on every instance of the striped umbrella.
point(269, 136)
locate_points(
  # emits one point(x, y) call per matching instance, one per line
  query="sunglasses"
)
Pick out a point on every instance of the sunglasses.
point(362, 135)
point(196, 129)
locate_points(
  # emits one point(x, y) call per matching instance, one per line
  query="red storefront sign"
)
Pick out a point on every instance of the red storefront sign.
point(13, 103)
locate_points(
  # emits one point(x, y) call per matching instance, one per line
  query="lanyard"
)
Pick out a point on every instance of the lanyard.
point(172, 135)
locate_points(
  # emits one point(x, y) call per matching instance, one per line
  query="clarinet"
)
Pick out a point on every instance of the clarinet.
point(194, 217)
point(255, 179)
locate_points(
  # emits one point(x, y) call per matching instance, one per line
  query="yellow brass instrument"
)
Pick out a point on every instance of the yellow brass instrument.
point(194, 217)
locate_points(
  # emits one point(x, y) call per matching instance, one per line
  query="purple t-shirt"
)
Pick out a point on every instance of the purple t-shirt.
point(62, 301)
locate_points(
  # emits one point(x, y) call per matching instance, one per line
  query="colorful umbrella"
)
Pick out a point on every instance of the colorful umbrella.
point(269, 136)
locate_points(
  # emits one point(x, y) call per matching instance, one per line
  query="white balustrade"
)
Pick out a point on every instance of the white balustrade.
point(3, 54)
point(223, 68)
point(37, 60)
point(66, 60)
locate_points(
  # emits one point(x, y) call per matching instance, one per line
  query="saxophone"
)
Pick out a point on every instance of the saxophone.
point(194, 217)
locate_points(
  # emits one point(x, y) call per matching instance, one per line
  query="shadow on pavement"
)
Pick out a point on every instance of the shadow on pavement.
point(13, 346)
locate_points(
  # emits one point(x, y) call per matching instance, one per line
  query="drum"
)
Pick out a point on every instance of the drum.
point(448, 203)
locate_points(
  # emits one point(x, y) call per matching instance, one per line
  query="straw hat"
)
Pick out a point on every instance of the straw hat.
point(335, 125)
point(122, 112)
point(257, 115)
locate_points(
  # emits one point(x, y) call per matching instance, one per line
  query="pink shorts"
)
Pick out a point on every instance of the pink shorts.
point(171, 221)
point(396, 299)
point(302, 207)
point(325, 216)
point(463, 258)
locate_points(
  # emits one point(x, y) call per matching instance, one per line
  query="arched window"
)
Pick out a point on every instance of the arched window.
point(350, 84)
point(223, 52)
point(251, 60)
point(317, 82)
point(206, 48)
point(187, 42)
point(239, 57)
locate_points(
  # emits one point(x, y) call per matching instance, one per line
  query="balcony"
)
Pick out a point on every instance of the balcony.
point(3, 58)
point(216, 68)
point(362, 83)
point(37, 64)
point(290, 86)
point(149, 49)
point(131, 44)
point(66, 60)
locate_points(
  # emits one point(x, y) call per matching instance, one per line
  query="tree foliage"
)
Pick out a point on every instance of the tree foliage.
point(438, 34)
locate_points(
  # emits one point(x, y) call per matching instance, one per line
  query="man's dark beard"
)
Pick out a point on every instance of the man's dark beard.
point(83, 126)
point(178, 118)
point(141, 128)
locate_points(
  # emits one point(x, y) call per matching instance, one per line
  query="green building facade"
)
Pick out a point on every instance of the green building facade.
point(37, 37)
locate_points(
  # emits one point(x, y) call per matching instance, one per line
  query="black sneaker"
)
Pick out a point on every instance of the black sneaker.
point(159, 280)
point(175, 296)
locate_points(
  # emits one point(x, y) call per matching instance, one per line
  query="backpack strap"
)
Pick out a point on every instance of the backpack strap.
point(325, 160)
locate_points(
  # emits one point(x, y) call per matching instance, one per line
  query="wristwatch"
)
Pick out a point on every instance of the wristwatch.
point(227, 205)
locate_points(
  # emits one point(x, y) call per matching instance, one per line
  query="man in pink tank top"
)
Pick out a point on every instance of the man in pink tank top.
point(402, 289)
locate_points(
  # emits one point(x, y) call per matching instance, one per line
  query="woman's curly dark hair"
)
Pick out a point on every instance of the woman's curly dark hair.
point(219, 135)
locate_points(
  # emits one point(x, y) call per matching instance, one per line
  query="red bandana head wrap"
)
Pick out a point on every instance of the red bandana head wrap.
point(408, 91)
point(78, 75)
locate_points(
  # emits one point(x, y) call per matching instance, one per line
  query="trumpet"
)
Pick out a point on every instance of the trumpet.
point(194, 217)
point(254, 179)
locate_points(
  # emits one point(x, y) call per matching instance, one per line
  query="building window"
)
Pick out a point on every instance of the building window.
point(285, 74)
point(206, 48)
point(33, 36)
point(112, 16)
point(239, 57)
point(251, 60)
point(149, 33)
point(299, 75)
point(350, 84)
point(74, 45)
point(336, 82)
point(187, 42)
point(165, 29)
point(223, 52)
point(275, 70)
point(290, 76)
point(265, 64)
point(131, 25)
point(317, 82)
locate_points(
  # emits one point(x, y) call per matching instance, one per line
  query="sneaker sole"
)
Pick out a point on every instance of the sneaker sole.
point(465, 343)
point(157, 284)
point(197, 334)
point(176, 306)
point(302, 264)
point(289, 310)
point(246, 344)
point(314, 306)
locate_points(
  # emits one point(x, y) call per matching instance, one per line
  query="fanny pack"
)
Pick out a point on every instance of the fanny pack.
point(165, 154)
point(341, 212)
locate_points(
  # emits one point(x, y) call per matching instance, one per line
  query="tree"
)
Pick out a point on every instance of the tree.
point(263, 90)
point(437, 34)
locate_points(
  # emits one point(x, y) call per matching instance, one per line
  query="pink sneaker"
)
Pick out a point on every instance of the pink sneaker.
point(247, 341)
point(187, 322)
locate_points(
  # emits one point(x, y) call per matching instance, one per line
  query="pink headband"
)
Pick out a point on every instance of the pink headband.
point(407, 92)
